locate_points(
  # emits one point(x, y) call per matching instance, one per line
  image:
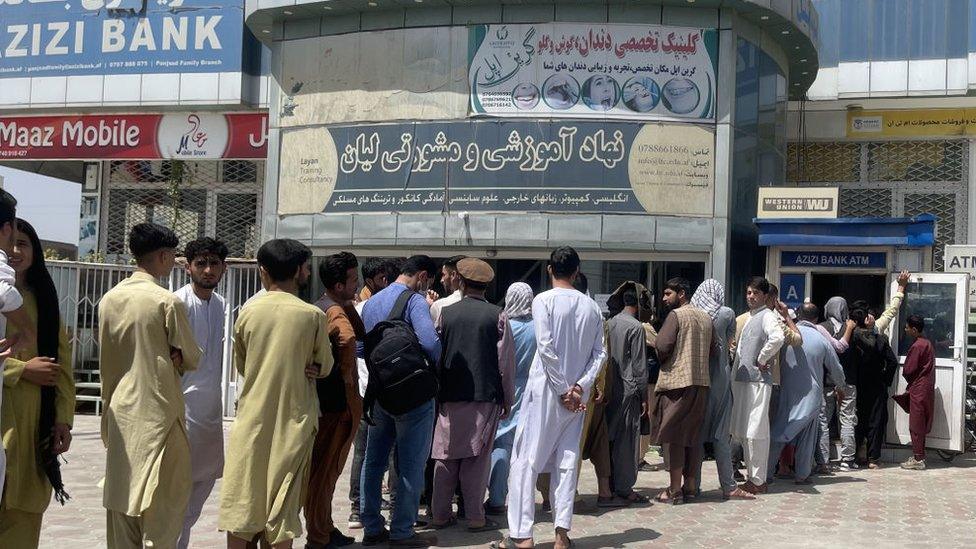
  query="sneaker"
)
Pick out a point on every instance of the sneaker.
point(416, 540)
point(339, 539)
point(382, 537)
point(848, 466)
point(913, 464)
point(354, 522)
point(738, 476)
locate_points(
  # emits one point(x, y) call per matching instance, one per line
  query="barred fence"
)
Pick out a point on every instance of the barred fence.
point(80, 289)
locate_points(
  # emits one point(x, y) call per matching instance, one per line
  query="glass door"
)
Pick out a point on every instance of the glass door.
point(941, 299)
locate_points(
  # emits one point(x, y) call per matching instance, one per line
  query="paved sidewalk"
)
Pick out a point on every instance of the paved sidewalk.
point(885, 508)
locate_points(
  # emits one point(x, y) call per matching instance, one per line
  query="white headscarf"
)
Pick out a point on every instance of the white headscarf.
point(709, 297)
point(518, 301)
point(836, 311)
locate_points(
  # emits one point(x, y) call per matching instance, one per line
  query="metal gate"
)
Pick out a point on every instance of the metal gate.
point(80, 289)
point(218, 198)
point(892, 179)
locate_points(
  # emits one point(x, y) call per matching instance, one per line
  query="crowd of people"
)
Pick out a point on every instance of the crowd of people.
point(468, 407)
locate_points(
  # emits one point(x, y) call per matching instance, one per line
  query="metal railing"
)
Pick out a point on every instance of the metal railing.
point(80, 289)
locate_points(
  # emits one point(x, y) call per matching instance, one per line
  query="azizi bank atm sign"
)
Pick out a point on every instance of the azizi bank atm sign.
point(82, 37)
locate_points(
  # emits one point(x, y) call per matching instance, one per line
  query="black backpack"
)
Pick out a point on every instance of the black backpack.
point(401, 376)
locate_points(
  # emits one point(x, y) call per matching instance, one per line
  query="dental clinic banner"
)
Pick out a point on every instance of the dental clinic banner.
point(91, 37)
point(498, 166)
point(581, 70)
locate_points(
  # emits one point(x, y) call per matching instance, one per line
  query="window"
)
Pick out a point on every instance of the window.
point(854, 27)
point(927, 29)
point(889, 28)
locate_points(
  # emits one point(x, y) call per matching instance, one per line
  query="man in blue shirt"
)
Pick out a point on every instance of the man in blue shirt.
point(411, 432)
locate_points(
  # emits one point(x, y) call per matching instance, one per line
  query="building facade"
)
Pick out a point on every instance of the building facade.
point(889, 119)
point(637, 133)
point(155, 109)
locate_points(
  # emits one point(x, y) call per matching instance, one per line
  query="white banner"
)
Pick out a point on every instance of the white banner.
point(582, 70)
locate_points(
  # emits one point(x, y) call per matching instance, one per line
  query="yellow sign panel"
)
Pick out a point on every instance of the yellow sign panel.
point(911, 123)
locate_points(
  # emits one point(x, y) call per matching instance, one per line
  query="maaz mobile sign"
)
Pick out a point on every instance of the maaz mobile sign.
point(87, 37)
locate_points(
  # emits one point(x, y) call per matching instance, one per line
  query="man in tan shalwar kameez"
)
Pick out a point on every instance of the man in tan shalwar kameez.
point(146, 343)
point(281, 344)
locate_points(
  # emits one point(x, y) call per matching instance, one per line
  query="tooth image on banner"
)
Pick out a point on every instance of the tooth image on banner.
point(641, 94)
point(601, 92)
point(592, 70)
point(681, 95)
point(561, 91)
point(525, 96)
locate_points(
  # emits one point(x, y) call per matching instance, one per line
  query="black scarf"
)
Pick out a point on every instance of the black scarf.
point(48, 328)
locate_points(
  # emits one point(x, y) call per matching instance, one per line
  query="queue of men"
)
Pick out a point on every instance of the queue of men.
point(471, 399)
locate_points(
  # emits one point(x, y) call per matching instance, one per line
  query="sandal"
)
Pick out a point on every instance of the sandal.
point(637, 499)
point(486, 527)
point(611, 502)
point(673, 498)
point(450, 522)
point(739, 493)
point(505, 543)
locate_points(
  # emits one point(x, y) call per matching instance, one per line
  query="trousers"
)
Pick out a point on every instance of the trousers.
point(472, 473)
point(198, 497)
point(332, 443)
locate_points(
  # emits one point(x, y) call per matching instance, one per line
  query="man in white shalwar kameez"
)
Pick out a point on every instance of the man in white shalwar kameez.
point(752, 387)
point(205, 264)
point(569, 338)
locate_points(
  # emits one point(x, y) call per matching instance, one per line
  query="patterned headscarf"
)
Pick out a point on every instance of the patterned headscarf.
point(518, 301)
point(709, 297)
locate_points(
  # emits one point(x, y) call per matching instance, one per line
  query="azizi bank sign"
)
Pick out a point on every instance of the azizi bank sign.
point(66, 37)
point(134, 136)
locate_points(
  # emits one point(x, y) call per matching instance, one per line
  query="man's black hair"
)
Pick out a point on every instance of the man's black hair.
point(393, 266)
point(205, 246)
point(809, 312)
point(373, 267)
point(282, 258)
point(773, 290)
point(451, 262)
point(582, 284)
point(678, 285)
point(8, 208)
point(564, 261)
point(333, 269)
point(859, 315)
point(759, 283)
point(917, 322)
point(630, 298)
point(146, 238)
point(417, 263)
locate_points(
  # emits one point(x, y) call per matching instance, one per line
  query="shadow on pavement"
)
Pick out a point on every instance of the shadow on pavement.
point(617, 539)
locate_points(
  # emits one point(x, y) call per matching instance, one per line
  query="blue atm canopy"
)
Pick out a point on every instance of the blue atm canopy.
point(917, 232)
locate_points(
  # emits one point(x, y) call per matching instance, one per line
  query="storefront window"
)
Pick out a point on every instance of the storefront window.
point(889, 20)
point(758, 153)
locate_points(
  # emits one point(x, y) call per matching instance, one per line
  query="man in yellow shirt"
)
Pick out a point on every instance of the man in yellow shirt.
point(281, 345)
point(146, 343)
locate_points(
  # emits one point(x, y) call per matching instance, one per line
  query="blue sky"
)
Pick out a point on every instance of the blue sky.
point(51, 205)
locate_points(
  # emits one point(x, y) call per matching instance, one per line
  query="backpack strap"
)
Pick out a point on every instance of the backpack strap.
point(400, 306)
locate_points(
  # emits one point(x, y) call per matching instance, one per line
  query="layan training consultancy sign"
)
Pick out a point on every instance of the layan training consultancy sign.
point(583, 70)
point(498, 166)
point(83, 37)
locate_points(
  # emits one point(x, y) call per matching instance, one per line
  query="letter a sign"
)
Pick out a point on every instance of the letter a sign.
point(793, 289)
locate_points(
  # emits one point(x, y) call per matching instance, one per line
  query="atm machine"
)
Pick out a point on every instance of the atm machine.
point(858, 258)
